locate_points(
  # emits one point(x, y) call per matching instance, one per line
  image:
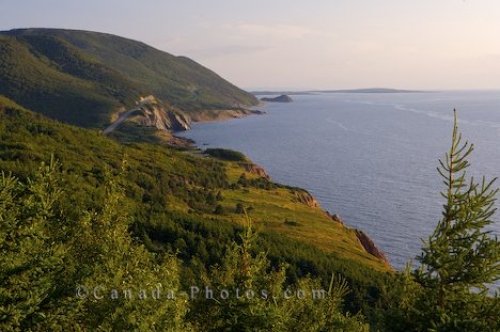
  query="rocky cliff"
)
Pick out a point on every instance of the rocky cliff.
point(150, 112)
point(255, 169)
point(366, 242)
point(335, 217)
point(163, 117)
point(370, 246)
point(306, 198)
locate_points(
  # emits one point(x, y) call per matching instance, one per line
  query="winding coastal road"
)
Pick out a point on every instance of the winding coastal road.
point(120, 119)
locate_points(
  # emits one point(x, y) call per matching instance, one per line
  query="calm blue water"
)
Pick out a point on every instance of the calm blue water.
point(369, 157)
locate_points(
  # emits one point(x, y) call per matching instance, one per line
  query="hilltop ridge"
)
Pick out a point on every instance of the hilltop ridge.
point(83, 77)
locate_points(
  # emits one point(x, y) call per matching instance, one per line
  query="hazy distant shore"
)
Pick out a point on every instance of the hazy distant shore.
point(311, 92)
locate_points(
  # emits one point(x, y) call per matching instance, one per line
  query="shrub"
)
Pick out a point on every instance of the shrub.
point(226, 154)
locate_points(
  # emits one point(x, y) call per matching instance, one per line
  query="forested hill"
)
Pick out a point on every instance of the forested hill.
point(81, 77)
point(191, 204)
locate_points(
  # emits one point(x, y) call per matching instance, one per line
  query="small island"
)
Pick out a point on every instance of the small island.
point(279, 99)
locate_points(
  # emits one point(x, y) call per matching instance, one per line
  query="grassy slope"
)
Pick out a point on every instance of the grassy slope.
point(80, 77)
point(171, 178)
point(277, 211)
point(272, 208)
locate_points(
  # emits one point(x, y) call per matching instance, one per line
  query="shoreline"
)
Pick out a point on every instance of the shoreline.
point(222, 115)
point(366, 242)
point(207, 116)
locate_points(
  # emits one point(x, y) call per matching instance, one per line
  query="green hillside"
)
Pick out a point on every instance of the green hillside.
point(81, 77)
point(189, 203)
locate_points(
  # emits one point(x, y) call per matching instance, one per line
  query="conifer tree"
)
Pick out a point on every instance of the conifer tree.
point(240, 271)
point(461, 258)
point(136, 290)
point(31, 258)
point(46, 257)
point(274, 305)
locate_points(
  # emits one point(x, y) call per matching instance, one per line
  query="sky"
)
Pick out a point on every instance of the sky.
point(300, 44)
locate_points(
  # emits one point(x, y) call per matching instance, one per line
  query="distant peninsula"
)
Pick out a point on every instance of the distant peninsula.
point(370, 90)
point(312, 92)
point(279, 99)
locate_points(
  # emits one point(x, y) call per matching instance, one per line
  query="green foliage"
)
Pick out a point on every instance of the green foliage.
point(244, 293)
point(460, 259)
point(239, 209)
point(118, 263)
point(167, 202)
point(291, 223)
point(32, 257)
point(395, 309)
point(239, 272)
point(312, 314)
point(226, 154)
point(74, 275)
point(81, 77)
point(219, 209)
point(51, 266)
point(89, 222)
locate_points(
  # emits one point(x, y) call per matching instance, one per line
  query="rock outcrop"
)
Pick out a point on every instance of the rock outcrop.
point(279, 99)
point(152, 113)
point(306, 198)
point(255, 169)
point(370, 246)
point(335, 217)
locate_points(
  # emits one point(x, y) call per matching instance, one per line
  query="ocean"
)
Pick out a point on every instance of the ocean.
point(371, 158)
